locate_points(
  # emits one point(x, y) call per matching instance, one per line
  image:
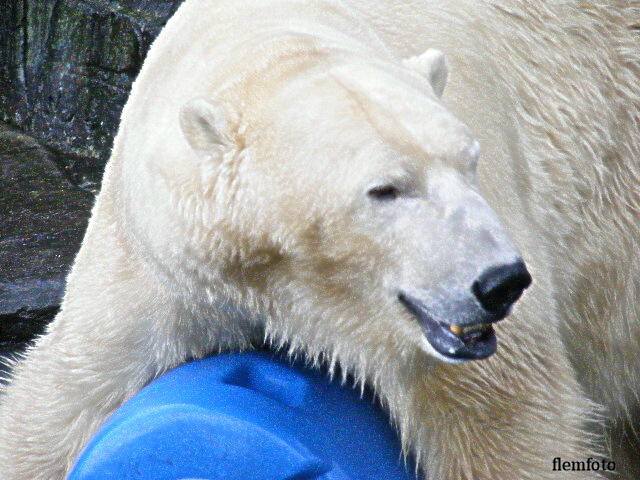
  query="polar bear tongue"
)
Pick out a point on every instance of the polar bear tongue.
point(454, 342)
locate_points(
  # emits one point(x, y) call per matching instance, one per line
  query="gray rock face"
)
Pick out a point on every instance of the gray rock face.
point(66, 67)
point(42, 221)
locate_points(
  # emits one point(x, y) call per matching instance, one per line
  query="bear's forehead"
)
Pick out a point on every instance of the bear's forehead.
point(363, 113)
point(403, 112)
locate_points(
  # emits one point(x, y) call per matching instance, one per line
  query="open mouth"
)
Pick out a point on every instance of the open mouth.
point(457, 342)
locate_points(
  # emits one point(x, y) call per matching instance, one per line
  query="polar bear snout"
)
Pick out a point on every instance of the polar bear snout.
point(460, 328)
point(499, 287)
point(448, 340)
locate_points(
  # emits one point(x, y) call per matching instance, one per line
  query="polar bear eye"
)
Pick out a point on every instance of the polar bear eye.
point(384, 193)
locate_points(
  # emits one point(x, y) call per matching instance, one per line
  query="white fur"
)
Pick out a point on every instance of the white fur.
point(205, 124)
point(433, 65)
point(242, 217)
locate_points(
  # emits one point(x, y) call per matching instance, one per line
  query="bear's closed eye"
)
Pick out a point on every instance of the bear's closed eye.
point(384, 192)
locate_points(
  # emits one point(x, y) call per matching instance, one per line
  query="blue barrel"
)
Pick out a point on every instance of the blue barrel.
point(250, 416)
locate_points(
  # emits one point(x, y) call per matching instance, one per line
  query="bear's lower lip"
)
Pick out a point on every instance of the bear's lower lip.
point(447, 343)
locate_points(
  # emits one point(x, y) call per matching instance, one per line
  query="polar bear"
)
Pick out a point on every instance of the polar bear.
point(308, 174)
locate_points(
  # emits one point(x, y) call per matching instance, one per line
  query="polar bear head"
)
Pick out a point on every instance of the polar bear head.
point(340, 209)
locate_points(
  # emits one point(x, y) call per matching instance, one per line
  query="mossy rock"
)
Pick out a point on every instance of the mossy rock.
point(66, 68)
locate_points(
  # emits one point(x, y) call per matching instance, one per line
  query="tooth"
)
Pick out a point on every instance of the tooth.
point(457, 329)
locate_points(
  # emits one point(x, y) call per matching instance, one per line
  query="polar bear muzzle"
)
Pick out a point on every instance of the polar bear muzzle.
point(495, 291)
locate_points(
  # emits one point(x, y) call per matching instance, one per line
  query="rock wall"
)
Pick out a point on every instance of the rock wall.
point(66, 68)
point(42, 219)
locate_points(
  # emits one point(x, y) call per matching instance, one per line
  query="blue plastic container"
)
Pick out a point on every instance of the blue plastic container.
point(246, 416)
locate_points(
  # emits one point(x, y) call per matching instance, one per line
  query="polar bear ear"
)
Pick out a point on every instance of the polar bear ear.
point(433, 65)
point(205, 125)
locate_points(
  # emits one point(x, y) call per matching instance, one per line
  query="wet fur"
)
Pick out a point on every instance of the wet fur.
point(551, 92)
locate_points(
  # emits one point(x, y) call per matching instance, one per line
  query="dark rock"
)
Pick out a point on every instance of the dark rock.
point(42, 222)
point(66, 67)
point(21, 327)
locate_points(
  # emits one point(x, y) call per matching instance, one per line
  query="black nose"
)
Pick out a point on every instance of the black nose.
point(499, 287)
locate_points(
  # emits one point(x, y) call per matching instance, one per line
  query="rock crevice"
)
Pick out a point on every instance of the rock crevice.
point(66, 68)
